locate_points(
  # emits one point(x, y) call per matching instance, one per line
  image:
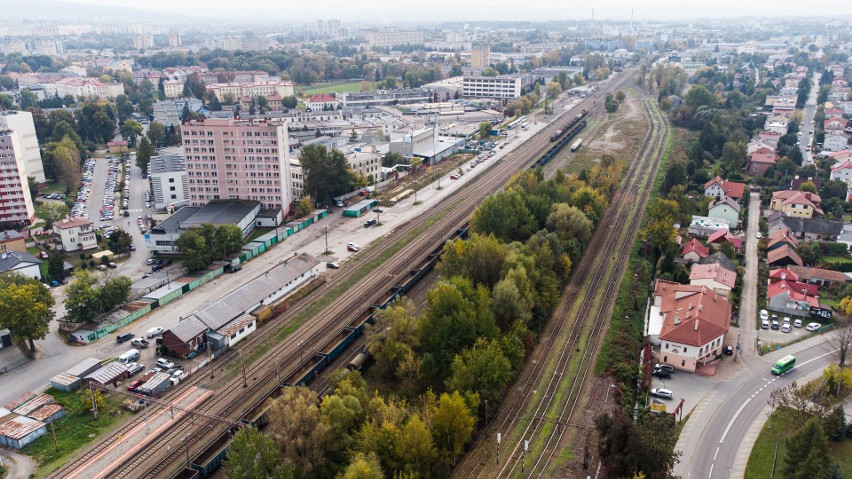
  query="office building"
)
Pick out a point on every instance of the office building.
point(238, 159)
point(21, 124)
point(504, 87)
point(167, 175)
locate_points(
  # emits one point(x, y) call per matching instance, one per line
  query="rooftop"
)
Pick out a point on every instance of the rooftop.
point(167, 163)
point(221, 212)
point(715, 272)
point(693, 315)
point(68, 223)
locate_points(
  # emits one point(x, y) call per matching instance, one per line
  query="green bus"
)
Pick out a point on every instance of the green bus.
point(784, 364)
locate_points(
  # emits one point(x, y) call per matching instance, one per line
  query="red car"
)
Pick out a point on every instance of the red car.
point(454, 177)
point(135, 384)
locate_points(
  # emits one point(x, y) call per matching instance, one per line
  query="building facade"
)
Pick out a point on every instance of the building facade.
point(480, 57)
point(16, 204)
point(22, 125)
point(169, 112)
point(169, 188)
point(84, 87)
point(237, 159)
point(504, 87)
point(76, 234)
point(392, 37)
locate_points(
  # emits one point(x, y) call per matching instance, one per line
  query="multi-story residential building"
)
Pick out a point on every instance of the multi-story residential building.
point(392, 37)
point(83, 87)
point(22, 126)
point(504, 87)
point(835, 141)
point(239, 90)
point(169, 112)
point(321, 102)
point(384, 97)
point(16, 205)
point(143, 41)
point(796, 204)
point(167, 175)
point(173, 88)
point(238, 159)
point(76, 234)
point(480, 57)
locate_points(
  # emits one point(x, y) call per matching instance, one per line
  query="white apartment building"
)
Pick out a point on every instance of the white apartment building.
point(504, 87)
point(265, 89)
point(169, 187)
point(83, 87)
point(173, 88)
point(16, 205)
point(21, 124)
point(77, 234)
point(238, 159)
point(390, 38)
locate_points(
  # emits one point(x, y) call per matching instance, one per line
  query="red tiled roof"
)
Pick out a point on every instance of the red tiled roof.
point(695, 245)
point(693, 315)
point(783, 274)
point(796, 197)
point(818, 273)
point(778, 254)
point(797, 291)
point(764, 155)
point(782, 236)
point(72, 223)
point(722, 235)
point(324, 97)
point(715, 272)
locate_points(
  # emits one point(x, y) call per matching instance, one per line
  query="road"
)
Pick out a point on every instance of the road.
point(807, 127)
point(748, 304)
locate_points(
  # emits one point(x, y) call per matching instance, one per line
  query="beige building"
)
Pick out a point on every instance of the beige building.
point(392, 37)
point(480, 57)
point(796, 204)
point(84, 87)
point(77, 234)
point(11, 240)
point(264, 89)
point(173, 88)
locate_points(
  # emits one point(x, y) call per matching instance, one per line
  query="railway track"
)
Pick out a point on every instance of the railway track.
point(192, 434)
point(549, 393)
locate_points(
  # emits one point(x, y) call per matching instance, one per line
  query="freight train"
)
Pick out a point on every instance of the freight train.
point(558, 133)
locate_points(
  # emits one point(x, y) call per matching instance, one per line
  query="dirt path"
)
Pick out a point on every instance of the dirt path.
point(18, 466)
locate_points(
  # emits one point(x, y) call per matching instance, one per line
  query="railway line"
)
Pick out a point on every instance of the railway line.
point(234, 398)
point(549, 392)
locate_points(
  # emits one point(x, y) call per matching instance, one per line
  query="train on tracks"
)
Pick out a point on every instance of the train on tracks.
point(561, 137)
point(568, 126)
point(212, 456)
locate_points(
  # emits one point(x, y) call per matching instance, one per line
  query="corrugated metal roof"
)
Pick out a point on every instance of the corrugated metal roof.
point(188, 329)
point(64, 379)
point(84, 367)
point(108, 373)
point(3, 413)
point(18, 401)
point(20, 427)
point(45, 412)
point(36, 402)
point(235, 325)
point(239, 301)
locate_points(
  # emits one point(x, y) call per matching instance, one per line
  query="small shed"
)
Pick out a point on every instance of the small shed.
point(360, 208)
point(19, 401)
point(65, 382)
point(47, 413)
point(112, 373)
point(19, 431)
point(85, 367)
point(185, 338)
point(35, 402)
point(157, 385)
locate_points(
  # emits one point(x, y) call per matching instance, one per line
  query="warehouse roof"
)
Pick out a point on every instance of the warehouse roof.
point(109, 373)
point(188, 329)
point(20, 427)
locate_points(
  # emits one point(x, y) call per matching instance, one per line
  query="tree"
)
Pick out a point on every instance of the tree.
point(290, 101)
point(505, 215)
point(699, 96)
point(51, 213)
point(485, 129)
point(306, 207)
point(661, 215)
point(393, 336)
point(66, 160)
point(392, 158)
point(157, 133)
point(144, 154)
point(120, 241)
point(554, 88)
point(365, 86)
point(568, 222)
point(327, 173)
point(194, 248)
point(295, 421)
point(25, 307)
point(363, 466)
point(414, 164)
point(113, 292)
point(55, 264)
point(452, 425)
point(253, 454)
point(129, 130)
point(81, 298)
point(807, 452)
point(124, 108)
point(797, 404)
point(482, 369)
point(840, 344)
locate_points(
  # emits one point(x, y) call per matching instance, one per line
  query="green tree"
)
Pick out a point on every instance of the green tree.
point(55, 264)
point(485, 129)
point(124, 108)
point(392, 158)
point(306, 207)
point(807, 453)
point(452, 425)
point(482, 369)
point(253, 454)
point(194, 248)
point(82, 298)
point(480, 258)
point(660, 217)
point(144, 154)
point(290, 102)
point(295, 421)
point(120, 241)
point(835, 472)
point(113, 292)
point(25, 307)
point(363, 466)
point(51, 213)
point(66, 160)
point(129, 130)
point(699, 96)
point(505, 215)
point(156, 133)
point(808, 186)
point(554, 88)
point(393, 336)
point(568, 222)
point(327, 173)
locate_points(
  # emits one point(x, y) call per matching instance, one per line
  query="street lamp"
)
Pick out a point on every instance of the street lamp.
point(325, 228)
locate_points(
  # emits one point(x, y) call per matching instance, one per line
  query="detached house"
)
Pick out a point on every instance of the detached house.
point(835, 141)
point(323, 102)
point(77, 234)
point(783, 256)
point(726, 208)
point(782, 238)
point(837, 124)
point(760, 160)
point(719, 188)
point(725, 236)
point(798, 204)
point(715, 277)
point(690, 322)
point(693, 251)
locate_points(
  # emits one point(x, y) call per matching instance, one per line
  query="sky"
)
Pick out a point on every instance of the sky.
point(401, 11)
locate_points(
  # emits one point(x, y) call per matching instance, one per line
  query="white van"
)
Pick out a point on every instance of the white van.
point(129, 356)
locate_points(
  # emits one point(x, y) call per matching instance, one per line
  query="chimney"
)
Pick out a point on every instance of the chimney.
point(696, 325)
point(677, 319)
point(690, 306)
point(783, 276)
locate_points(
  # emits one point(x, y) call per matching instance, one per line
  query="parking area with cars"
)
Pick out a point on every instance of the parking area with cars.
point(783, 329)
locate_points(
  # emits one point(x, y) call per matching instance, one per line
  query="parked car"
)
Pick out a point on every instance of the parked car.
point(112, 265)
point(352, 246)
point(764, 314)
point(140, 343)
point(124, 337)
point(54, 283)
point(135, 368)
point(132, 247)
point(661, 373)
point(786, 328)
point(165, 363)
point(667, 367)
point(797, 323)
point(758, 235)
point(662, 393)
point(729, 350)
point(378, 210)
point(134, 385)
point(775, 324)
point(370, 222)
point(155, 331)
point(332, 265)
point(814, 327)
point(454, 177)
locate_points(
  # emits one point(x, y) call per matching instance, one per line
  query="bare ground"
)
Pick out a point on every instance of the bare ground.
point(18, 466)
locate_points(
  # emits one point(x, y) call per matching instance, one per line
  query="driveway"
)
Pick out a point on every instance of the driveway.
point(746, 334)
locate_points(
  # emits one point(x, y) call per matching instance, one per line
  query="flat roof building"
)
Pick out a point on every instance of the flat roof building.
point(504, 87)
point(167, 176)
point(162, 237)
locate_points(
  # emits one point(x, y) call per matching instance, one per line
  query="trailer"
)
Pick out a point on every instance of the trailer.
point(577, 144)
point(360, 208)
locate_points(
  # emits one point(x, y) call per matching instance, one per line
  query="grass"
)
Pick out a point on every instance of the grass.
point(73, 431)
point(777, 428)
point(52, 188)
point(837, 259)
point(257, 233)
point(334, 87)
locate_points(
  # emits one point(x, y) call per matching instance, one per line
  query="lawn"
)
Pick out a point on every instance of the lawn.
point(763, 453)
point(339, 87)
point(837, 259)
point(73, 431)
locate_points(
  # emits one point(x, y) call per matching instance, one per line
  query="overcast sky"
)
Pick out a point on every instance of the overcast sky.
point(398, 11)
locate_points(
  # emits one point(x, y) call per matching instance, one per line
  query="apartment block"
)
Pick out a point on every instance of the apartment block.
point(16, 205)
point(169, 187)
point(480, 57)
point(238, 159)
point(83, 87)
point(173, 88)
point(239, 90)
point(391, 38)
point(505, 87)
point(21, 124)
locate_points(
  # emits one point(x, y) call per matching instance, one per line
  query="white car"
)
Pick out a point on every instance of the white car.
point(764, 314)
point(165, 363)
point(797, 323)
point(662, 393)
point(758, 235)
point(156, 331)
point(813, 327)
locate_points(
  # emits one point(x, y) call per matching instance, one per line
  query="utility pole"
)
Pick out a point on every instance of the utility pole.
point(53, 430)
point(94, 403)
point(326, 238)
point(499, 438)
point(243, 365)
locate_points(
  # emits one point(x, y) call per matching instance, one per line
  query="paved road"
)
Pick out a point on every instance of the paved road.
point(748, 303)
point(807, 127)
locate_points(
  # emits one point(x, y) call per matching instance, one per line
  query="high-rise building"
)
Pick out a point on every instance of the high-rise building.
point(480, 57)
point(238, 159)
point(16, 204)
point(21, 124)
point(167, 175)
point(333, 28)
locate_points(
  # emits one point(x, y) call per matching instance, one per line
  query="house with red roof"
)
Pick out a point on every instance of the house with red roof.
point(834, 124)
point(819, 276)
point(782, 274)
point(783, 256)
point(760, 160)
point(769, 137)
point(796, 204)
point(715, 277)
point(780, 238)
point(833, 113)
point(719, 188)
point(693, 251)
point(724, 236)
point(323, 101)
point(787, 297)
point(690, 322)
point(726, 208)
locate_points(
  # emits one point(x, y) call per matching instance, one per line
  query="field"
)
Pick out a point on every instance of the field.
point(763, 453)
point(337, 87)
